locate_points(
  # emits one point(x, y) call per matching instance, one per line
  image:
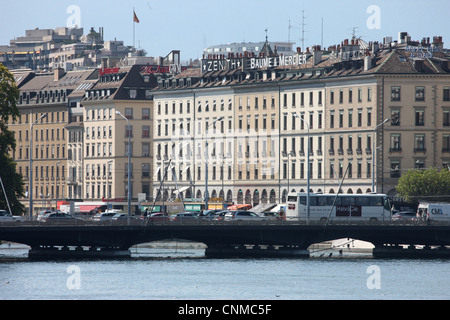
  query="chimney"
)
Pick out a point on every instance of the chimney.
point(317, 57)
point(104, 63)
point(367, 63)
point(58, 73)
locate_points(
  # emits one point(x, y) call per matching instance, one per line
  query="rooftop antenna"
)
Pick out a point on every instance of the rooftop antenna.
point(354, 33)
point(303, 30)
point(322, 35)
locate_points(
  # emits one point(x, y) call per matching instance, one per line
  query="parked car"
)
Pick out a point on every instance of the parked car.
point(269, 215)
point(405, 216)
point(220, 215)
point(184, 216)
point(120, 216)
point(42, 213)
point(159, 217)
point(5, 217)
point(104, 216)
point(208, 214)
point(243, 215)
point(58, 217)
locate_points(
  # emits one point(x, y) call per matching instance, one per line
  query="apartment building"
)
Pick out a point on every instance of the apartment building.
point(335, 102)
point(45, 104)
point(117, 113)
point(418, 104)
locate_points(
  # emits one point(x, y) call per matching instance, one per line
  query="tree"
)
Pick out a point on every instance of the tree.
point(425, 185)
point(12, 181)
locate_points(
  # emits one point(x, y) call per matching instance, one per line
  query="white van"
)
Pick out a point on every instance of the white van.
point(434, 211)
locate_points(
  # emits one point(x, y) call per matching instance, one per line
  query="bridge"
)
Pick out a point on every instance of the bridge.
point(262, 238)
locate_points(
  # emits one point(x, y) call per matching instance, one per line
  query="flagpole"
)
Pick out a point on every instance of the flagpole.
point(134, 26)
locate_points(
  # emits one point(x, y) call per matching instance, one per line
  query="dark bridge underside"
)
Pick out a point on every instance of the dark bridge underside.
point(123, 237)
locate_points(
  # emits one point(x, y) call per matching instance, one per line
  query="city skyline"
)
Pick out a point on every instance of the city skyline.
point(192, 27)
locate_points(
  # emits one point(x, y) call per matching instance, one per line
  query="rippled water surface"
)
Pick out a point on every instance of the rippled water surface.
point(173, 274)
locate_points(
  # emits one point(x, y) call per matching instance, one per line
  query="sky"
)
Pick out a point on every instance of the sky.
point(191, 26)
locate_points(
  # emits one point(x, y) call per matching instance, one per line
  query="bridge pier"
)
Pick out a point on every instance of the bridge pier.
point(256, 251)
point(54, 252)
point(398, 251)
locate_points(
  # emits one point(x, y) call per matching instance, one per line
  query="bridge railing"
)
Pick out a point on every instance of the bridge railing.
point(133, 221)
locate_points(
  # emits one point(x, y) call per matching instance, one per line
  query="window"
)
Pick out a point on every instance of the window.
point(446, 94)
point(145, 149)
point(332, 119)
point(395, 142)
point(369, 117)
point(420, 117)
point(145, 114)
point(420, 93)
point(129, 113)
point(133, 94)
point(332, 97)
point(446, 143)
point(395, 117)
point(145, 131)
point(446, 118)
point(419, 143)
point(128, 131)
point(395, 93)
point(395, 169)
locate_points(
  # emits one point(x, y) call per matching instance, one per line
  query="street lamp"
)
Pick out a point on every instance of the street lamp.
point(206, 164)
point(57, 185)
point(308, 173)
point(290, 154)
point(129, 165)
point(108, 192)
point(30, 191)
point(374, 152)
point(223, 174)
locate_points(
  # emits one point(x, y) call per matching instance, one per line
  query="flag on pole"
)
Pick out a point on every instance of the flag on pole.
point(135, 18)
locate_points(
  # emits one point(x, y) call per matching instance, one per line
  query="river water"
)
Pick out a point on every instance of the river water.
point(185, 274)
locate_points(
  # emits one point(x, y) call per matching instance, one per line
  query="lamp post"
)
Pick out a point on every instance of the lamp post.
point(206, 165)
point(290, 154)
point(30, 191)
point(108, 192)
point(308, 173)
point(57, 185)
point(223, 174)
point(374, 152)
point(129, 165)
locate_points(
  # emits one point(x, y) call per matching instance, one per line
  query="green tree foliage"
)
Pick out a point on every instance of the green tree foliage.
point(12, 181)
point(425, 185)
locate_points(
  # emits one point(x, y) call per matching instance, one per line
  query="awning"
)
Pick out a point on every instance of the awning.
point(87, 209)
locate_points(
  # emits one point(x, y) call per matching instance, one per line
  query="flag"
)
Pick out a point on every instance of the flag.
point(135, 18)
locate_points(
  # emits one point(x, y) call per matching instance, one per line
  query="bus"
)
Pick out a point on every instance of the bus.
point(347, 207)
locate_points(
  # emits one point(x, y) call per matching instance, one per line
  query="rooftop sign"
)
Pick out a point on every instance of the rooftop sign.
point(421, 52)
point(252, 63)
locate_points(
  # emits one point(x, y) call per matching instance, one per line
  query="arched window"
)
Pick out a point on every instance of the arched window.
point(273, 197)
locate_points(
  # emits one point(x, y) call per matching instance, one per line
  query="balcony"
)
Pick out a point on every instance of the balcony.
point(393, 150)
